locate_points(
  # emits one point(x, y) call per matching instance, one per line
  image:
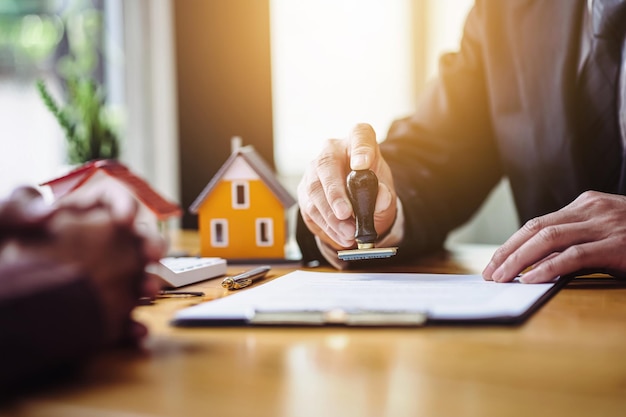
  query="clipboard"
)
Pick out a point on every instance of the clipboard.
point(305, 298)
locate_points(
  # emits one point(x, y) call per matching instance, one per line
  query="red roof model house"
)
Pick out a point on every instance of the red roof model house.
point(242, 210)
point(104, 179)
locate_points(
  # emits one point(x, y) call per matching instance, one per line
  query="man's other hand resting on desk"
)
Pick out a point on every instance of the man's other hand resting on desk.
point(70, 276)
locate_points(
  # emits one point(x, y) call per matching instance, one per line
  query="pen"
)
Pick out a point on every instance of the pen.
point(177, 293)
point(245, 278)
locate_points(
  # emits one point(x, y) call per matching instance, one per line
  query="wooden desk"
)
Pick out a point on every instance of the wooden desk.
point(569, 359)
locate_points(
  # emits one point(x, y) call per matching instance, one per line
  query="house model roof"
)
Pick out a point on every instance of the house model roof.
point(73, 180)
point(257, 163)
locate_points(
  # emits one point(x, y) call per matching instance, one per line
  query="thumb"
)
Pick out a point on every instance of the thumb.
point(363, 146)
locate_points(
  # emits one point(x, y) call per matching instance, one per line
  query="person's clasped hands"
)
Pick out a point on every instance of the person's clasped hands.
point(95, 239)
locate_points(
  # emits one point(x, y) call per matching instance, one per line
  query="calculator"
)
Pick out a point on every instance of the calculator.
point(185, 270)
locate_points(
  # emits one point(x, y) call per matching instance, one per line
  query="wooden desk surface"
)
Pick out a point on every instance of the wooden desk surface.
point(568, 359)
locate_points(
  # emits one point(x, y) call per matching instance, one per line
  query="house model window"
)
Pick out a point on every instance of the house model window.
point(264, 232)
point(219, 233)
point(241, 195)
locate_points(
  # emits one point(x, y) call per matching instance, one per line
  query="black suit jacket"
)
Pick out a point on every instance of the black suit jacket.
point(502, 106)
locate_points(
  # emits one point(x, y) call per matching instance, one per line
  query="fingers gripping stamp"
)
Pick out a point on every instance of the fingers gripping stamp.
point(362, 186)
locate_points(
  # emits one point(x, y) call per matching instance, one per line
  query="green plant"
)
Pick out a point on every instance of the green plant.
point(85, 119)
point(88, 133)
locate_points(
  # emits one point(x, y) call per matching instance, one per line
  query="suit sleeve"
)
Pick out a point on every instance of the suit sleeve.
point(443, 158)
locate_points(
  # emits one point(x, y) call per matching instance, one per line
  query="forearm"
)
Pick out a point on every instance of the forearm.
point(444, 158)
point(442, 176)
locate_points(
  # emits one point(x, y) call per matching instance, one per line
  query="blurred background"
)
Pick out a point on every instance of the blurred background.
point(180, 78)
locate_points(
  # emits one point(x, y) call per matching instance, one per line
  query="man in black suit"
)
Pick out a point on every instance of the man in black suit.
point(534, 94)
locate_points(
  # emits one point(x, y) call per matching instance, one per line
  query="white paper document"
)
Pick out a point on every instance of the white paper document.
point(304, 297)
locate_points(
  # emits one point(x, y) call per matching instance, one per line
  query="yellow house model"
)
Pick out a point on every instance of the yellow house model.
point(242, 210)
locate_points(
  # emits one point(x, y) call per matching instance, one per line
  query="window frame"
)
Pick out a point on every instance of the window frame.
point(215, 223)
point(269, 232)
point(235, 186)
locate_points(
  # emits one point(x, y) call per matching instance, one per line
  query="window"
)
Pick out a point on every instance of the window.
point(369, 44)
point(219, 233)
point(241, 195)
point(135, 64)
point(382, 54)
point(264, 232)
point(33, 38)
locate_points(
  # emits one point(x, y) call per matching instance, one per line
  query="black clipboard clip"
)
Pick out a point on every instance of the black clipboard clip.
point(337, 317)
